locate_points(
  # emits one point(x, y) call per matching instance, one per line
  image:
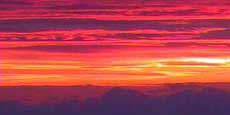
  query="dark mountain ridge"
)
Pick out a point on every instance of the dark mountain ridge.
point(193, 100)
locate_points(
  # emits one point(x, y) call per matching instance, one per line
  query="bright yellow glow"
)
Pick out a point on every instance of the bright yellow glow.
point(208, 60)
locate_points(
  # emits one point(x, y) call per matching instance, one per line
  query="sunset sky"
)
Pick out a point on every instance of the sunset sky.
point(114, 42)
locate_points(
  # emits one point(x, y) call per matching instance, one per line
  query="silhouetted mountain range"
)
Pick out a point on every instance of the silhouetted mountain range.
point(193, 100)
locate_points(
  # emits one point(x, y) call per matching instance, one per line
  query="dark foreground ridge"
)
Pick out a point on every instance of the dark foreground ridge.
point(194, 100)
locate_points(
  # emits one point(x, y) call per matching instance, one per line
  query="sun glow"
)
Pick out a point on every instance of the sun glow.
point(208, 60)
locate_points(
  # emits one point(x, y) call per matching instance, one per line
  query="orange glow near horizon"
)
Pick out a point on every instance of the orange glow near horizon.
point(129, 66)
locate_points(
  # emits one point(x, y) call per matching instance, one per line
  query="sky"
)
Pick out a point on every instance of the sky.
point(114, 42)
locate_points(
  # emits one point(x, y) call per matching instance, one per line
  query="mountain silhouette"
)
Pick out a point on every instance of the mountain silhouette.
point(195, 100)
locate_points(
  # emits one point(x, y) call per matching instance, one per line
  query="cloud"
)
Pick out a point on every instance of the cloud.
point(104, 35)
point(218, 34)
point(71, 24)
